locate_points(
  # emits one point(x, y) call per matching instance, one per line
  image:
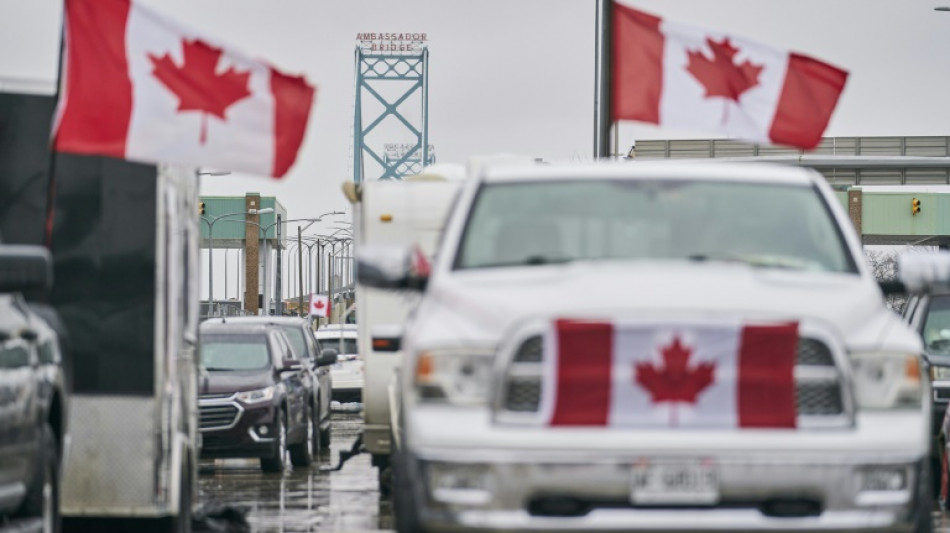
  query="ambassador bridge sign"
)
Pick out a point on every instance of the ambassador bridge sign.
point(392, 42)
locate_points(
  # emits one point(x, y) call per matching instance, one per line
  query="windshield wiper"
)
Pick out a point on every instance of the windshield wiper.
point(758, 260)
point(531, 261)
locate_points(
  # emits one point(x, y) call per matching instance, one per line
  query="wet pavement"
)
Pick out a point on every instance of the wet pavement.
point(306, 499)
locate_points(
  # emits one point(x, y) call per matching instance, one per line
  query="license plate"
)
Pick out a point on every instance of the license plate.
point(675, 483)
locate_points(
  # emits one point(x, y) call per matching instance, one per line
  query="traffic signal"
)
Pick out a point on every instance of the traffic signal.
point(914, 206)
point(201, 208)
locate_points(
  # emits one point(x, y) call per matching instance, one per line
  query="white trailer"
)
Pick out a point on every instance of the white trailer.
point(134, 441)
point(406, 213)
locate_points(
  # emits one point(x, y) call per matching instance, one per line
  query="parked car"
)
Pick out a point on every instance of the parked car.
point(33, 393)
point(253, 398)
point(316, 362)
point(347, 372)
point(686, 346)
point(929, 315)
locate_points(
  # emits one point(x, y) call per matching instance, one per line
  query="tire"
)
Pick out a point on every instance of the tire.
point(301, 453)
point(405, 513)
point(325, 433)
point(42, 500)
point(943, 495)
point(923, 522)
point(181, 523)
point(278, 461)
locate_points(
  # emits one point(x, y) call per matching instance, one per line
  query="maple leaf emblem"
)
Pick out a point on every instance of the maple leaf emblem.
point(319, 304)
point(198, 85)
point(720, 76)
point(675, 381)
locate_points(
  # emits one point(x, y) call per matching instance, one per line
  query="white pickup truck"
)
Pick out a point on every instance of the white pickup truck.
point(683, 346)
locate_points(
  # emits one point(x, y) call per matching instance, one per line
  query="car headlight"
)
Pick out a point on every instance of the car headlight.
point(940, 373)
point(887, 380)
point(454, 376)
point(256, 396)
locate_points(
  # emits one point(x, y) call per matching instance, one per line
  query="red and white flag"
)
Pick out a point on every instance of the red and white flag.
point(139, 86)
point(682, 76)
point(696, 376)
point(319, 305)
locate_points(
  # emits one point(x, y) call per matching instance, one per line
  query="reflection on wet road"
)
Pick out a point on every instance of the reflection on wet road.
point(307, 499)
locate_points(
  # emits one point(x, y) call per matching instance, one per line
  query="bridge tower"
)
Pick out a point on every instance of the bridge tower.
point(391, 123)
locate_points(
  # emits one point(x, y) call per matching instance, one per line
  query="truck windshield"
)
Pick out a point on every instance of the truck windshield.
point(346, 345)
point(937, 326)
point(761, 224)
point(234, 352)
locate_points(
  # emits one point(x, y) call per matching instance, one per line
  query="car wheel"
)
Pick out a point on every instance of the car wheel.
point(301, 453)
point(42, 499)
point(278, 461)
point(181, 523)
point(925, 502)
point(405, 513)
point(325, 435)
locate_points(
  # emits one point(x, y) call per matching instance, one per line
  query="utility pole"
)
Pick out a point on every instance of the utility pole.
point(300, 271)
point(280, 292)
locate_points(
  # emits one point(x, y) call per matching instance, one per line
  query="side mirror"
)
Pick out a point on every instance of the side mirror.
point(327, 357)
point(25, 268)
point(290, 365)
point(920, 272)
point(392, 267)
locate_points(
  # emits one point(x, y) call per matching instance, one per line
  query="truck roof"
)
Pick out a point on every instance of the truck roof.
point(651, 170)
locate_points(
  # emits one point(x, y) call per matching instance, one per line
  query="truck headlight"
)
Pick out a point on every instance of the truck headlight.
point(887, 380)
point(940, 373)
point(454, 376)
point(256, 396)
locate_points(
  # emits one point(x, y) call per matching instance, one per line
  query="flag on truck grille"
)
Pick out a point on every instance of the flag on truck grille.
point(649, 375)
point(142, 87)
point(682, 76)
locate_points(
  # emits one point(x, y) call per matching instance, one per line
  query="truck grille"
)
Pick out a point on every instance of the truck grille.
point(818, 384)
point(217, 416)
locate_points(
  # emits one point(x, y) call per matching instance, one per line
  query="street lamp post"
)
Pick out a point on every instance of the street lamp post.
point(211, 248)
point(277, 223)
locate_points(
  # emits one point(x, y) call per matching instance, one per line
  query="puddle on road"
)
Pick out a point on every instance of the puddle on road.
point(305, 500)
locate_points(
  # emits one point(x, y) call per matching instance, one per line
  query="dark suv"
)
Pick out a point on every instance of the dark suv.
point(316, 362)
point(254, 400)
point(929, 315)
point(33, 398)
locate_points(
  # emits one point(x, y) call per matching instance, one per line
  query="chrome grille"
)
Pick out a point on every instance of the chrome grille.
point(217, 416)
point(216, 396)
point(530, 350)
point(819, 398)
point(814, 352)
point(524, 394)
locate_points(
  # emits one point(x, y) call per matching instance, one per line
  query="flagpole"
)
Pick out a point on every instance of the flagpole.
point(602, 32)
point(51, 182)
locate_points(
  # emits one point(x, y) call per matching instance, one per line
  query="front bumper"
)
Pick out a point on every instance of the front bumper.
point(582, 480)
point(755, 493)
point(252, 434)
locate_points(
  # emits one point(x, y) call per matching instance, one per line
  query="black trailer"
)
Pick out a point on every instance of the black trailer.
point(124, 241)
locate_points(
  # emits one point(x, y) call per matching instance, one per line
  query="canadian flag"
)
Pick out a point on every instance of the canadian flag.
point(717, 375)
point(682, 76)
point(139, 86)
point(319, 305)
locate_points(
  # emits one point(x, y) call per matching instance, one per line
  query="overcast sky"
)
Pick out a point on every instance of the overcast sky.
point(517, 76)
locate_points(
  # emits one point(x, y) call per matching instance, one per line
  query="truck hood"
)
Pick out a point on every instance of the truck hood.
point(227, 382)
point(479, 306)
